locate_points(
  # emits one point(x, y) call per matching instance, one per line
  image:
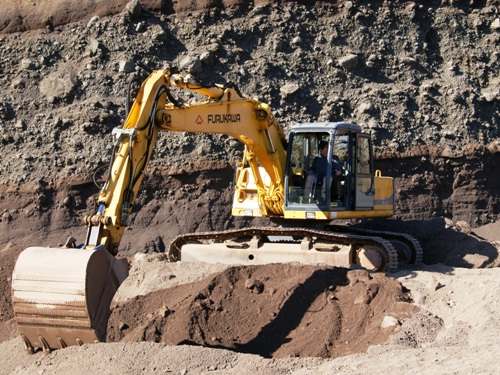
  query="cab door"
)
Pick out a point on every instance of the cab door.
point(364, 184)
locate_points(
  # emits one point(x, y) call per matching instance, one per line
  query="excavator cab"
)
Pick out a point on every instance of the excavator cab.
point(336, 182)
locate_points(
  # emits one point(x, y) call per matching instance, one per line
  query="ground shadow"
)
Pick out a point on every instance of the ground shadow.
point(442, 243)
point(274, 335)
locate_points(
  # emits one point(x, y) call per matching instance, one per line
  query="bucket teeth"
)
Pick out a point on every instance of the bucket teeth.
point(27, 345)
point(62, 343)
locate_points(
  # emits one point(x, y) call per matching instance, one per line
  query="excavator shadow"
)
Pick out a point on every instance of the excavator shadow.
point(275, 334)
point(443, 243)
point(302, 300)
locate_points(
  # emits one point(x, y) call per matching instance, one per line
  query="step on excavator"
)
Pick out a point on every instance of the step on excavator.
point(324, 171)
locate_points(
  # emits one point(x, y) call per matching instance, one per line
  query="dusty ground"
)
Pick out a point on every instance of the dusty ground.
point(433, 113)
point(440, 320)
point(189, 318)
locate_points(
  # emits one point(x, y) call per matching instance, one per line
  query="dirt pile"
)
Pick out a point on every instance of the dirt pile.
point(455, 331)
point(274, 311)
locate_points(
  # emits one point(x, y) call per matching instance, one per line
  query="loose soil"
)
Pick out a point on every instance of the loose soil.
point(274, 311)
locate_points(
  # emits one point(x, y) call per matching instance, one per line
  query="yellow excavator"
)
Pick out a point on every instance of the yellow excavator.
point(323, 171)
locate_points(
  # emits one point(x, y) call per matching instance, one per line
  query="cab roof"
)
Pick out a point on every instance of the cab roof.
point(325, 127)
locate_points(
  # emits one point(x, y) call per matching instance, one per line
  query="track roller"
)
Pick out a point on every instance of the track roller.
point(371, 257)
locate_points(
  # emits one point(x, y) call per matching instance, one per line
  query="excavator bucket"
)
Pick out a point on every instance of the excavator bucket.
point(61, 297)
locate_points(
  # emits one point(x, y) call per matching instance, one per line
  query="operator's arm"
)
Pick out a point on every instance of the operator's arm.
point(337, 167)
point(314, 165)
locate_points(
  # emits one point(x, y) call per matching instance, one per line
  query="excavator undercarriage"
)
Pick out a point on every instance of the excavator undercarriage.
point(337, 246)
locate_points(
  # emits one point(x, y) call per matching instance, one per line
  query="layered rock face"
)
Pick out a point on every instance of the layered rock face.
point(421, 77)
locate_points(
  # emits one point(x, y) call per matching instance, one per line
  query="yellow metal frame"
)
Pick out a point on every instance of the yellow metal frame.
point(224, 112)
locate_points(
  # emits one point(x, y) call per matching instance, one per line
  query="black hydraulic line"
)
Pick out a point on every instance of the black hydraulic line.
point(159, 91)
point(172, 100)
point(110, 166)
point(94, 177)
point(162, 89)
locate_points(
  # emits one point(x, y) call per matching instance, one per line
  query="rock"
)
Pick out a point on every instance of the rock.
point(126, 66)
point(93, 21)
point(364, 108)
point(67, 201)
point(58, 85)
point(374, 124)
point(191, 65)
point(348, 5)
point(254, 285)
point(289, 89)
point(164, 311)
point(407, 60)
point(297, 41)
point(42, 60)
point(139, 257)
point(18, 83)
point(20, 125)
point(489, 95)
point(348, 61)
point(389, 321)
point(370, 62)
point(161, 36)
point(6, 217)
point(94, 47)
point(134, 8)
point(463, 226)
point(207, 58)
point(27, 64)
point(140, 27)
point(42, 199)
point(495, 25)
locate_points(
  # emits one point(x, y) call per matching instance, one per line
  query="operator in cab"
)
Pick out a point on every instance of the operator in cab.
point(319, 169)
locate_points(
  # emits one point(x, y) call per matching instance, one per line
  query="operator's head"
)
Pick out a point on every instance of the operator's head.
point(323, 148)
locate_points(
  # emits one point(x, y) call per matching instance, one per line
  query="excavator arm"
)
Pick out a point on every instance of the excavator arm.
point(61, 296)
point(134, 143)
point(224, 111)
point(248, 120)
